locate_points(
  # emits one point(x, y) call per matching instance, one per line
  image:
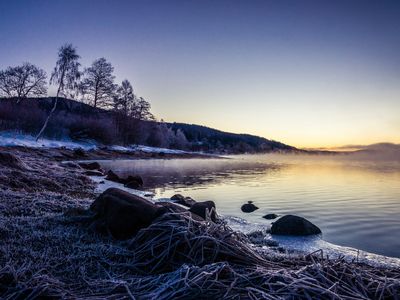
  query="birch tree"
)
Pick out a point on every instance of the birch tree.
point(66, 75)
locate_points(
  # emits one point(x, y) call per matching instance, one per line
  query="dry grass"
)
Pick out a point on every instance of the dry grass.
point(173, 258)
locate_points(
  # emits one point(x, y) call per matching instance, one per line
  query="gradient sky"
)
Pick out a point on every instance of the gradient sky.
point(307, 73)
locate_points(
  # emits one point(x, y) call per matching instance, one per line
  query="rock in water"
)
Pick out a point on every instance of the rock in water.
point(132, 181)
point(112, 176)
point(249, 207)
point(123, 214)
point(270, 216)
point(202, 208)
point(133, 184)
point(294, 225)
point(177, 197)
point(185, 201)
point(135, 178)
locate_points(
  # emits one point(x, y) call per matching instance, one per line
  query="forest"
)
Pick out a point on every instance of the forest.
point(90, 106)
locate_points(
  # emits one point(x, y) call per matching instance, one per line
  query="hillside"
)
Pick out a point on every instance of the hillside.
point(209, 139)
point(79, 121)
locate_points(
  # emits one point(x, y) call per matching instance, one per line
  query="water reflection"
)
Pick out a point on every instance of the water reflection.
point(356, 203)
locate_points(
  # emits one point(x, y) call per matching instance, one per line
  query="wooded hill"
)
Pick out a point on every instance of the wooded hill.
point(79, 121)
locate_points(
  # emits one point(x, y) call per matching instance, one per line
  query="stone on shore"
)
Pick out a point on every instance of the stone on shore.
point(123, 214)
point(203, 209)
point(249, 207)
point(294, 225)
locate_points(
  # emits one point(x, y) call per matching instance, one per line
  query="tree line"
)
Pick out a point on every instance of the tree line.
point(95, 85)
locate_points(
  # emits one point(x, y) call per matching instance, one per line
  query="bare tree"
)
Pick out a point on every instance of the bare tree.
point(124, 98)
point(141, 110)
point(98, 84)
point(23, 81)
point(66, 74)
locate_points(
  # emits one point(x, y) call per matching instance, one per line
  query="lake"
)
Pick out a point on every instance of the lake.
point(355, 202)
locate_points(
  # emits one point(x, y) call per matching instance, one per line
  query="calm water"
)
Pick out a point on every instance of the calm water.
point(356, 203)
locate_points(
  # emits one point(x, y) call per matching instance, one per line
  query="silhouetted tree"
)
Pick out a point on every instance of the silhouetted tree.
point(23, 81)
point(124, 98)
point(141, 110)
point(66, 74)
point(98, 83)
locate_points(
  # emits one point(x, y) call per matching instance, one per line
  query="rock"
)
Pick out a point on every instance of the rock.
point(176, 209)
point(134, 181)
point(136, 178)
point(203, 208)
point(90, 166)
point(185, 201)
point(123, 214)
point(249, 207)
point(10, 160)
point(133, 185)
point(177, 197)
point(294, 225)
point(270, 216)
point(93, 173)
point(112, 176)
point(79, 152)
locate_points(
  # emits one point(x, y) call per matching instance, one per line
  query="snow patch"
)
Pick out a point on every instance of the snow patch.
point(10, 139)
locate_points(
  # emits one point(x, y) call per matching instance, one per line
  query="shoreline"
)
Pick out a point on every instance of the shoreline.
point(45, 245)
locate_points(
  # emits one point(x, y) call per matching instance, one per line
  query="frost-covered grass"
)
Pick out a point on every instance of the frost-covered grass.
point(49, 249)
point(12, 139)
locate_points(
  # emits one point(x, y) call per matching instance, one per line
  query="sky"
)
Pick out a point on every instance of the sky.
point(306, 73)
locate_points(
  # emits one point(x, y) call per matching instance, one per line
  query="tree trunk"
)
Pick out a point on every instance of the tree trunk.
point(47, 119)
point(52, 110)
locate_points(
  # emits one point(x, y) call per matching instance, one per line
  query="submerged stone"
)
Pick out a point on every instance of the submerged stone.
point(270, 216)
point(249, 207)
point(294, 225)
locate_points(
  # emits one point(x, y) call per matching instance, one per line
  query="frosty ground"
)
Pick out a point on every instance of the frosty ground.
point(48, 250)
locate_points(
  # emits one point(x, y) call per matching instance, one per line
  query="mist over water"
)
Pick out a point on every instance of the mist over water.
point(353, 198)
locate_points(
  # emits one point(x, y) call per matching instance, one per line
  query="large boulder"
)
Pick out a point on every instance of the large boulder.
point(11, 161)
point(123, 214)
point(294, 225)
point(203, 209)
point(249, 207)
